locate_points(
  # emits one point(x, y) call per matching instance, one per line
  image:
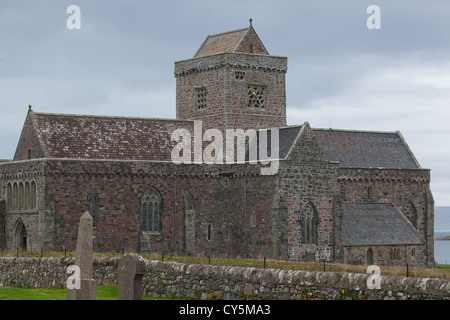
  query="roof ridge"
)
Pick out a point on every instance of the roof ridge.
point(39, 133)
point(227, 32)
point(290, 126)
point(257, 37)
point(218, 35)
point(353, 130)
point(368, 203)
point(108, 117)
point(408, 149)
point(410, 225)
point(242, 38)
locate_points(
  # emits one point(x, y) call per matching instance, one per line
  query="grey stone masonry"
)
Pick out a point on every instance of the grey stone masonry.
point(130, 273)
point(84, 260)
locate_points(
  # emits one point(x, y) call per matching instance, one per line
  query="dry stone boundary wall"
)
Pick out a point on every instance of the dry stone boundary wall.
point(220, 282)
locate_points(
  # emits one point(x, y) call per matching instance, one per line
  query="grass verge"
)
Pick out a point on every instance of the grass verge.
point(104, 292)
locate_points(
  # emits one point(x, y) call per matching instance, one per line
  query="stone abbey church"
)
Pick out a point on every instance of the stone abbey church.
point(347, 196)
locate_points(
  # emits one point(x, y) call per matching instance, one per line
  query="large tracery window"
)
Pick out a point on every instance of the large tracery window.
point(151, 210)
point(308, 224)
point(409, 210)
point(256, 96)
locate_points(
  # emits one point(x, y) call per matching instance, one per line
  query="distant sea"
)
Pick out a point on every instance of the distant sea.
point(442, 247)
point(442, 228)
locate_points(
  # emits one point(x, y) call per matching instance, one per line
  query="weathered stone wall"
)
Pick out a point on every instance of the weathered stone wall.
point(307, 178)
point(390, 255)
point(407, 189)
point(29, 146)
point(209, 282)
point(213, 197)
point(399, 187)
point(28, 207)
point(50, 272)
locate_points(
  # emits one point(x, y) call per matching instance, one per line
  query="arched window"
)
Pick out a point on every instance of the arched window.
point(93, 209)
point(253, 219)
point(409, 210)
point(397, 253)
point(209, 232)
point(21, 198)
point(308, 224)
point(394, 254)
point(151, 210)
point(369, 193)
point(370, 256)
point(33, 195)
point(14, 197)
point(26, 196)
point(9, 196)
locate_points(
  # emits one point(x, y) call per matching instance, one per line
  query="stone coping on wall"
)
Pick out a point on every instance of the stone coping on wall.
point(228, 282)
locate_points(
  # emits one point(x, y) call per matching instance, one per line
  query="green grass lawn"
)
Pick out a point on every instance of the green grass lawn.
point(105, 292)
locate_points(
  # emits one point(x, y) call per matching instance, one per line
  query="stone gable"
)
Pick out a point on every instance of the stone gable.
point(98, 137)
point(243, 40)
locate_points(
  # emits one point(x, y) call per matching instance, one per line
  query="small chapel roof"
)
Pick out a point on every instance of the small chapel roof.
point(366, 149)
point(376, 224)
point(241, 40)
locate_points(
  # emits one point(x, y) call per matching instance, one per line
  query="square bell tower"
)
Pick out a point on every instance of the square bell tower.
point(232, 83)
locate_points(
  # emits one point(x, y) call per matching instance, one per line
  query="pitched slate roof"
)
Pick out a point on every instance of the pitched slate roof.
point(287, 137)
point(100, 137)
point(376, 224)
point(366, 149)
point(229, 42)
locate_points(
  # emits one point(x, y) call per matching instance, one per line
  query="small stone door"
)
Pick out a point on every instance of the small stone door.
point(21, 237)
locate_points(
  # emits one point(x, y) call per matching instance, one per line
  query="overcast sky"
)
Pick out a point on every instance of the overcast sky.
point(340, 73)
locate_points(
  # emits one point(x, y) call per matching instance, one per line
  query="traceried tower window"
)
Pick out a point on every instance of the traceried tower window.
point(201, 98)
point(256, 96)
point(150, 208)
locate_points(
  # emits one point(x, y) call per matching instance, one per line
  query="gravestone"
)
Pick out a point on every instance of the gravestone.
point(84, 260)
point(131, 271)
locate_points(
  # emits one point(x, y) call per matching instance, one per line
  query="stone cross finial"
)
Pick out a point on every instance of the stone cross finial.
point(130, 273)
point(84, 260)
point(251, 20)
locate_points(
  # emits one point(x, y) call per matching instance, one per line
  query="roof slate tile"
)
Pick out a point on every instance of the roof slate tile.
point(376, 224)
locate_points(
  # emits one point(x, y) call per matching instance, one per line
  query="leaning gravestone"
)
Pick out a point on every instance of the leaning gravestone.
point(131, 271)
point(84, 260)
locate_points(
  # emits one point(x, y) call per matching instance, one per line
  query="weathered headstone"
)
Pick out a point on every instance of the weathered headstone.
point(131, 271)
point(84, 260)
